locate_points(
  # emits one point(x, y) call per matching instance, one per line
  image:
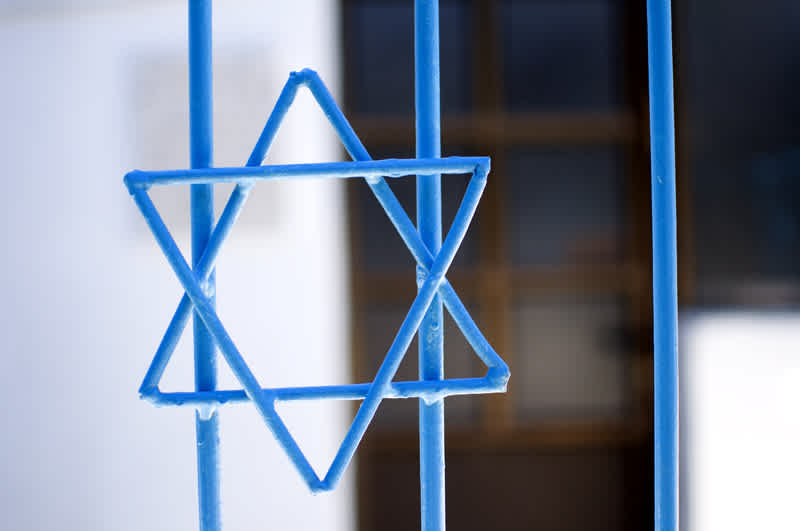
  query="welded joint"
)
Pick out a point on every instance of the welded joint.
point(136, 179)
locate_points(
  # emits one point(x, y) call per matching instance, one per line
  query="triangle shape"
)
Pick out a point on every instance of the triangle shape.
point(318, 427)
point(374, 392)
point(309, 79)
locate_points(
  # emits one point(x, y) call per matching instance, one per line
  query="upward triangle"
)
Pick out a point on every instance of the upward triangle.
point(382, 387)
point(309, 79)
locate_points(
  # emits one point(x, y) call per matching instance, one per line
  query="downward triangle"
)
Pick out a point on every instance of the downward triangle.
point(318, 427)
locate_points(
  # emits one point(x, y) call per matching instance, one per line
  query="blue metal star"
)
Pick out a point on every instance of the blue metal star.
point(431, 277)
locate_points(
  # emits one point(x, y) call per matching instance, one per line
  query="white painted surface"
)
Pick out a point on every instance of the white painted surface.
point(740, 423)
point(87, 294)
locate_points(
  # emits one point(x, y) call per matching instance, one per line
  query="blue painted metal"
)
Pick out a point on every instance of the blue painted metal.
point(429, 223)
point(665, 279)
point(432, 266)
point(202, 218)
point(371, 169)
point(433, 260)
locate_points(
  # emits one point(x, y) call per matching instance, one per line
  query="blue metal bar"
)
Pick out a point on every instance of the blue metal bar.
point(429, 223)
point(324, 170)
point(202, 218)
point(428, 390)
point(665, 279)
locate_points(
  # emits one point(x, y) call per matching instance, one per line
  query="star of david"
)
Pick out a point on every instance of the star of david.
point(432, 268)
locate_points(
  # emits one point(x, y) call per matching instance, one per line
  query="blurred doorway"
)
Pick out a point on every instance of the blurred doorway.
point(555, 268)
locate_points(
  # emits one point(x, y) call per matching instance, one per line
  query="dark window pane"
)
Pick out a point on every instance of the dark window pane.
point(561, 54)
point(381, 246)
point(742, 82)
point(382, 50)
point(748, 227)
point(544, 490)
point(566, 206)
point(571, 358)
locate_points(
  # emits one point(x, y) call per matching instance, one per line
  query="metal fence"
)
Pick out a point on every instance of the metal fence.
point(433, 256)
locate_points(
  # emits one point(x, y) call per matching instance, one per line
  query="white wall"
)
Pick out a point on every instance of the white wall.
point(740, 425)
point(85, 96)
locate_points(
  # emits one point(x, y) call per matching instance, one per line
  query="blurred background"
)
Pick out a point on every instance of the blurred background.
point(314, 282)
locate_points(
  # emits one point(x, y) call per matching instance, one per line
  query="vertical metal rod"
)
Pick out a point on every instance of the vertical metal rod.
point(429, 224)
point(665, 283)
point(202, 218)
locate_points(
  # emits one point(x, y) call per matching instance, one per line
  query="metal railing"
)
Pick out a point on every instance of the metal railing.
point(424, 241)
